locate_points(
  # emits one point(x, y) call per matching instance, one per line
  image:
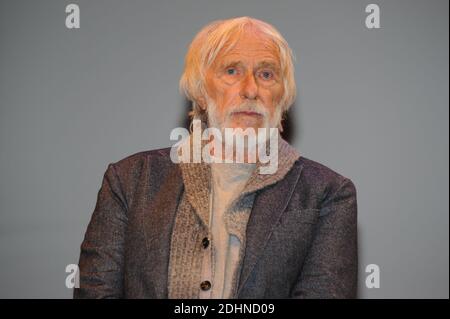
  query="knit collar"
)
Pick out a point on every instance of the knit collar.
point(197, 178)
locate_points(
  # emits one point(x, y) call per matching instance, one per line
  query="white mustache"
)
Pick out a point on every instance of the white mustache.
point(249, 108)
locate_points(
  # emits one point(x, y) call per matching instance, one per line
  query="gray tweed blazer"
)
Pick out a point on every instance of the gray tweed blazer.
point(301, 236)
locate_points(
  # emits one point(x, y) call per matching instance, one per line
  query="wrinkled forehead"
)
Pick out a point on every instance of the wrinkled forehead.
point(247, 44)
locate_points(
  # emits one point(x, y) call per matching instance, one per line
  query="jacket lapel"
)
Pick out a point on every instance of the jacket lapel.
point(267, 209)
point(158, 229)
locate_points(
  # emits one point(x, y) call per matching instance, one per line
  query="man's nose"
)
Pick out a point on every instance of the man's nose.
point(249, 88)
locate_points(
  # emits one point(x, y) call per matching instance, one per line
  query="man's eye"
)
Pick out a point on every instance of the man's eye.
point(267, 75)
point(231, 71)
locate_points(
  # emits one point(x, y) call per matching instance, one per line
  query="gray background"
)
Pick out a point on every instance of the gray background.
point(372, 105)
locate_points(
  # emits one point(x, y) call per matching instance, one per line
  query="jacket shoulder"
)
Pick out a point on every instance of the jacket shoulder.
point(142, 168)
point(321, 182)
point(315, 170)
point(140, 159)
point(160, 152)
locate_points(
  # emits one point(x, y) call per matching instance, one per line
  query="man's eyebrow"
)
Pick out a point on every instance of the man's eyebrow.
point(268, 64)
point(265, 63)
point(230, 63)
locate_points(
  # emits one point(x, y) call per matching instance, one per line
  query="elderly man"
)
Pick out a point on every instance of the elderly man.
point(164, 227)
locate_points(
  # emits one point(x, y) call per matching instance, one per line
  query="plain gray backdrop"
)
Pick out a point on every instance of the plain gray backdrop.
point(372, 105)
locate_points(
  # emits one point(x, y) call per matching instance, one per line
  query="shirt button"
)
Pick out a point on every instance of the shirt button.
point(205, 285)
point(205, 242)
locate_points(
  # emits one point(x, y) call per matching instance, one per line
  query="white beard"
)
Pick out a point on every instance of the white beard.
point(221, 124)
point(241, 141)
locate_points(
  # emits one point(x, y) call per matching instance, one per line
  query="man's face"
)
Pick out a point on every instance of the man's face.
point(244, 85)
